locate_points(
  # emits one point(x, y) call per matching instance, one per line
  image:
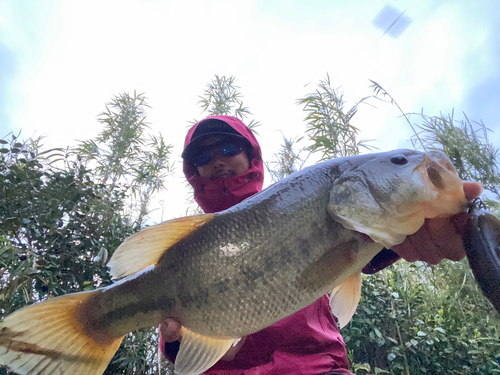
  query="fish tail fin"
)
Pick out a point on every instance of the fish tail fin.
point(47, 338)
point(345, 298)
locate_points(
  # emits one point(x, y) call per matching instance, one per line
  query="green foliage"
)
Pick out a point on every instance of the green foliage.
point(287, 161)
point(466, 143)
point(329, 125)
point(123, 154)
point(417, 319)
point(329, 132)
point(222, 97)
point(57, 226)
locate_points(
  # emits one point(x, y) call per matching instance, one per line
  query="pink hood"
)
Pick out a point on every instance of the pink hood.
point(219, 195)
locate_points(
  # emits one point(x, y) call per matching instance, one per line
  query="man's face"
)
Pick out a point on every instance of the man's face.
point(223, 161)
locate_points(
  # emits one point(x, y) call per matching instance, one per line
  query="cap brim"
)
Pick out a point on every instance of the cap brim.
point(192, 149)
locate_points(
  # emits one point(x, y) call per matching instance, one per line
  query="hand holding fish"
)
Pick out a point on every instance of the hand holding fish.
point(439, 238)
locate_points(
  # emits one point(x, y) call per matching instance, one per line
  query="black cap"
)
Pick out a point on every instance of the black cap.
point(206, 129)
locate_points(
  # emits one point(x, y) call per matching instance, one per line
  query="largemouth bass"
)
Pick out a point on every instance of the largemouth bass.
point(230, 274)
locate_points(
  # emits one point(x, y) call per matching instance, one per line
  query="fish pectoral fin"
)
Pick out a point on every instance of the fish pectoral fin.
point(47, 338)
point(145, 248)
point(345, 298)
point(198, 353)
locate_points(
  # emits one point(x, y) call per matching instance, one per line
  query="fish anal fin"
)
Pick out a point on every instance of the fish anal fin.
point(198, 353)
point(47, 338)
point(145, 248)
point(345, 298)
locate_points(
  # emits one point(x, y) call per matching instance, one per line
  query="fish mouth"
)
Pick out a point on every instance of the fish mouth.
point(440, 171)
point(441, 180)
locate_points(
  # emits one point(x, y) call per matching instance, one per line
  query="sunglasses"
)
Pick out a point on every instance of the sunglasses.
point(205, 157)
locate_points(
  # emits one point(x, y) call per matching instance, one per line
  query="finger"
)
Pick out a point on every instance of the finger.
point(472, 190)
point(170, 330)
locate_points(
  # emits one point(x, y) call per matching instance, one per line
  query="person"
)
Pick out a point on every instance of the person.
point(223, 163)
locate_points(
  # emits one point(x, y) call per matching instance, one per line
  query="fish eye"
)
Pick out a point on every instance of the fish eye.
point(399, 160)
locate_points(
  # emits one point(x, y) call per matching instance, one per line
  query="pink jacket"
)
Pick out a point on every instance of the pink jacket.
point(308, 342)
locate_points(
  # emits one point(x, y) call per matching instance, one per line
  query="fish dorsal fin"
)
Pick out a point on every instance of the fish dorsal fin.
point(345, 298)
point(145, 248)
point(198, 353)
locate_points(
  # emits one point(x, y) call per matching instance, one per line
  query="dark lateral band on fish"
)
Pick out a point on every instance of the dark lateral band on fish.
point(227, 275)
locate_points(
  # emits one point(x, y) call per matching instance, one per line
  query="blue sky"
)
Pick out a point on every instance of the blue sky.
point(61, 61)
